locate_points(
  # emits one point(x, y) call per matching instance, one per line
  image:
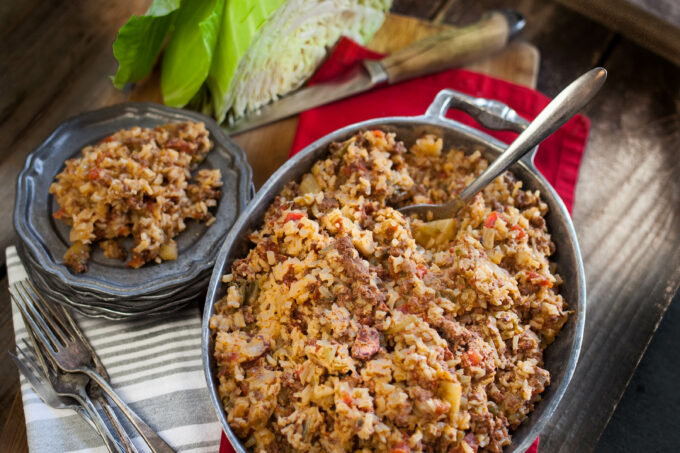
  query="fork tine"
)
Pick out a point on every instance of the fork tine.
point(56, 311)
point(78, 334)
point(38, 360)
point(47, 363)
point(27, 359)
point(22, 353)
point(30, 375)
point(41, 307)
point(65, 319)
point(65, 316)
point(41, 332)
point(32, 372)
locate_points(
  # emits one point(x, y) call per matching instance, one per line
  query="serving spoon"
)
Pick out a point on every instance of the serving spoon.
point(565, 105)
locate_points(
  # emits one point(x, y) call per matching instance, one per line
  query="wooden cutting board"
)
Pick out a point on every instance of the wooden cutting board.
point(268, 147)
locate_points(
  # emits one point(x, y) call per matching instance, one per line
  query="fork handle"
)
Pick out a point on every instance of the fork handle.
point(153, 440)
point(128, 446)
point(99, 424)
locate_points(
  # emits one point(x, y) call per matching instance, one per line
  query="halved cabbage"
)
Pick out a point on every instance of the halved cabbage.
point(229, 57)
point(283, 50)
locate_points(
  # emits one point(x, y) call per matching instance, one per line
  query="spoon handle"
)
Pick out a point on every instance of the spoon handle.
point(559, 111)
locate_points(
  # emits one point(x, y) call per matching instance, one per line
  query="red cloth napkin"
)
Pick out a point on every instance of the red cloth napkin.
point(558, 158)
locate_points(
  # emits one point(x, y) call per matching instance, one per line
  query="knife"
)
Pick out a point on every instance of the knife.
point(450, 48)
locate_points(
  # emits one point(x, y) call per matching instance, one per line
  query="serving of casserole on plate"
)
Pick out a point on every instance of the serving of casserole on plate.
point(112, 189)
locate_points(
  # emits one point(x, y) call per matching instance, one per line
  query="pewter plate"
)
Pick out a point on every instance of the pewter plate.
point(93, 305)
point(46, 239)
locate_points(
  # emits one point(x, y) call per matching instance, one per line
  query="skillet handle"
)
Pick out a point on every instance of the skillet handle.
point(489, 113)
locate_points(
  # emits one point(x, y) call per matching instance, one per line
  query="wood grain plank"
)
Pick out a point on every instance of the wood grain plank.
point(654, 25)
point(416, 8)
point(568, 43)
point(12, 12)
point(518, 63)
point(13, 434)
point(9, 376)
point(628, 223)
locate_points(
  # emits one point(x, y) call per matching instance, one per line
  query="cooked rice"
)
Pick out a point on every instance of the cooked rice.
point(136, 182)
point(351, 328)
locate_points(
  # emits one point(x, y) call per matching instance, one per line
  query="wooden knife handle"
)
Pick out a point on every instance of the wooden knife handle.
point(450, 48)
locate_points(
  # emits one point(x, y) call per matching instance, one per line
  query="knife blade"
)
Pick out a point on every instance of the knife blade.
point(450, 48)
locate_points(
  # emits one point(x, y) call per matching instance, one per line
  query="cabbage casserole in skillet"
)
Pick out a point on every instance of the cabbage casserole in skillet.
point(349, 327)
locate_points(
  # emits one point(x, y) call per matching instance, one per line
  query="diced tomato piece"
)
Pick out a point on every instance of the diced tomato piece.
point(378, 133)
point(59, 214)
point(521, 231)
point(346, 398)
point(294, 215)
point(534, 277)
point(401, 447)
point(491, 220)
point(421, 271)
point(472, 358)
point(539, 279)
point(94, 174)
point(107, 139)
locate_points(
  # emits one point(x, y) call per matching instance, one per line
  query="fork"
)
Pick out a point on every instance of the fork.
point(56, 392)
point(72, 353)
point(30, 370)
point(94, 390)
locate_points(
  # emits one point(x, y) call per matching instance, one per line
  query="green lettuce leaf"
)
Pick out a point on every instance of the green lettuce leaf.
point(189, 53)
point(140, 40)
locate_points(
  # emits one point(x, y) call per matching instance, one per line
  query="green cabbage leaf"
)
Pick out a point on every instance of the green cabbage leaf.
point(188, 55)
point(140, 40)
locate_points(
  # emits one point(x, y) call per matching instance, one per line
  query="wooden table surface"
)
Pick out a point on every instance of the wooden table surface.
point(55, 59)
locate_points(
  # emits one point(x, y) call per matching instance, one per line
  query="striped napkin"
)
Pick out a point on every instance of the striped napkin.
point(155, 366)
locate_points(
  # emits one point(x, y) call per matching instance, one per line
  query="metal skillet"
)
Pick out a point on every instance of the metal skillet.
point(560, 358)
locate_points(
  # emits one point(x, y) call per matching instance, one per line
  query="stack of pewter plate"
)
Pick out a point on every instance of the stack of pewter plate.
point(108, 288)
